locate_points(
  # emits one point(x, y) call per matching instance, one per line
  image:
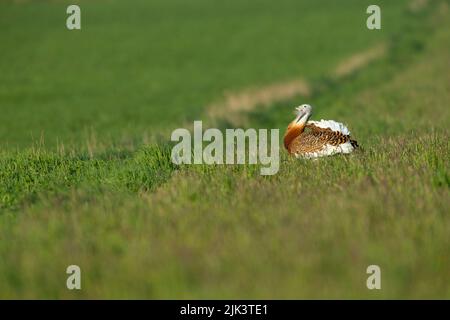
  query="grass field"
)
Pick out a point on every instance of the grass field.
point(117, 78)
point(86, 176)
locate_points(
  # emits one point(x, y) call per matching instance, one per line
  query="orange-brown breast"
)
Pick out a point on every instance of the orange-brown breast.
point(293, 131)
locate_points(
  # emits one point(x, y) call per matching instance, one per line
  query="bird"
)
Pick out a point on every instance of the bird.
point(314, 139)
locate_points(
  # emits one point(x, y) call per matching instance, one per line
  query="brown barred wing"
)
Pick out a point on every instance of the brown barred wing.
point(327, 135)
point(307, 143)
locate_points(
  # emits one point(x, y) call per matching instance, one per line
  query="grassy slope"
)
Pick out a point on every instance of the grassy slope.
point(309, 231)
point(140, 65)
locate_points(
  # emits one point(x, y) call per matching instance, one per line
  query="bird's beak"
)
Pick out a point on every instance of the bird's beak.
point(300, 114)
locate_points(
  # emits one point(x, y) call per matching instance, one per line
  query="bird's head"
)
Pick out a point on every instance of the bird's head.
point(296, 127)
point(302, 114)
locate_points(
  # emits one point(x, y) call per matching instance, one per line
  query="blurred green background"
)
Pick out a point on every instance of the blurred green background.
point(139, 66)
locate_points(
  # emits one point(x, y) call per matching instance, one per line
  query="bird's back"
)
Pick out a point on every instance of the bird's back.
point(322, 138)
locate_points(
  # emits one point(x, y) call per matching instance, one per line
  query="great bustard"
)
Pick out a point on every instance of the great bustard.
point(313, 139)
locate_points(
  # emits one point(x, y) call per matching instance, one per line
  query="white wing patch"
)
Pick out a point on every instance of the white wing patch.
point(328, 150)
point(331, 124)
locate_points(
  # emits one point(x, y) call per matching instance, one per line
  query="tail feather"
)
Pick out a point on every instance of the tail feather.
point(354, 143)
point(330, 124)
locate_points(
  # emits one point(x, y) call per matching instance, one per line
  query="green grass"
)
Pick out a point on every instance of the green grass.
point(140, 227)
point(140, 66)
